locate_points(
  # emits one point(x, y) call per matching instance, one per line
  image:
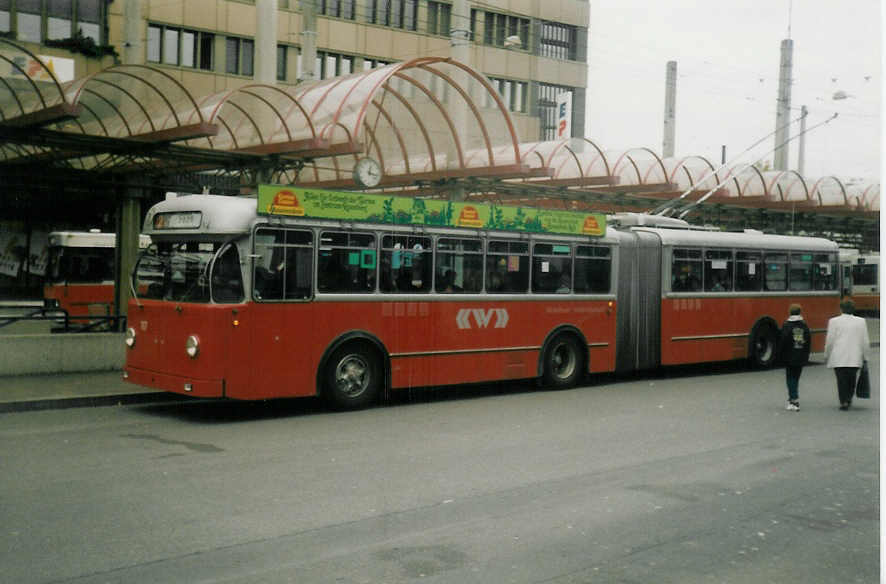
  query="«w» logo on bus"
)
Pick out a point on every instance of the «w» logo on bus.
point(481, 317)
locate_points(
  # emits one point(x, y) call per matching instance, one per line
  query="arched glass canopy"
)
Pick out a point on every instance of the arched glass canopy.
point(425, 120)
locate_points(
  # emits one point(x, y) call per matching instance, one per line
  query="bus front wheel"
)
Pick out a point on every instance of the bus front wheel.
point(353, 377)
point(764, 343)
point(562, 362)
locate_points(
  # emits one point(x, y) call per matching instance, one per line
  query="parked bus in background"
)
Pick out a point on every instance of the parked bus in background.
point(349, 295)
point(80, 273)
point(865, 291)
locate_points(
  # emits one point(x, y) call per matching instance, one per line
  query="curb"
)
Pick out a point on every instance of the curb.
point(89, 401)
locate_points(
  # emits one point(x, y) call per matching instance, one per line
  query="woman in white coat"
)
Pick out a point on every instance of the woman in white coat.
point(847, 346)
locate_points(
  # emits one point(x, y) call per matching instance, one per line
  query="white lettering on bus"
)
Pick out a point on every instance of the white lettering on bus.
point(482, 317)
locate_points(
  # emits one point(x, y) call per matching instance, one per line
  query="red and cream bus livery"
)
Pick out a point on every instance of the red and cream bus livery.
point(360, 293)
point(80, 276)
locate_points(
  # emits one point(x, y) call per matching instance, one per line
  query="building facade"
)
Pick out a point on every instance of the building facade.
point(532, 51)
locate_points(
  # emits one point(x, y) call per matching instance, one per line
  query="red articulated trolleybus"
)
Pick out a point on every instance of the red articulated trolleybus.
point(303, 292)
point(80, 278)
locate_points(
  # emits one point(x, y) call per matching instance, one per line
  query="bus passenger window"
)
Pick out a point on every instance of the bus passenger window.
point(459, 266)
point(776, 272)
point(507, 267)
point(593, 269)
point(824, 271)
point(718, 270)
point(405, 264)
point(686, 271)
point(800, 275)
point(748, 271)
point(283, 264)
point(346, 263)
point(551, 268)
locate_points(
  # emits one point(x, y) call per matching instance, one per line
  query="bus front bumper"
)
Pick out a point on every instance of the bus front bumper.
point(175, 383)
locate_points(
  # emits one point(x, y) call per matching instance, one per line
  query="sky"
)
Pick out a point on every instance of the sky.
point(728, 56)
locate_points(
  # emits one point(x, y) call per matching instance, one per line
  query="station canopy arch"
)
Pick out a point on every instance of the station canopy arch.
point(429, 122)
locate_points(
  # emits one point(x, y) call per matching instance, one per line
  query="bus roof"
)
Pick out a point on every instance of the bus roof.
point(189, 214)
point(745, 240)
point(89, 239)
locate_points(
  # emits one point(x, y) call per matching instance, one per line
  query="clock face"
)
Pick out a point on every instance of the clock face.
point(367, 172)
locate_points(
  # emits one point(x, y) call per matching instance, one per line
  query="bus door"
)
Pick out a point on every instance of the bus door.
point(638, 332)
point(271, 352)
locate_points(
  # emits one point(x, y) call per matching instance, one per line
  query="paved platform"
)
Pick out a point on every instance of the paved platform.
point(71, 390)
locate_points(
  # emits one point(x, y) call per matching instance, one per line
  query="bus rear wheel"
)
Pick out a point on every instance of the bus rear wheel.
point(353, 377)
point(763, 346)
point(562, 362)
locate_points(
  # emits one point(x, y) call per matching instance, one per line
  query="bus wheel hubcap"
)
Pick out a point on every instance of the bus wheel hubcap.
point(563, 361)
point(352, 375)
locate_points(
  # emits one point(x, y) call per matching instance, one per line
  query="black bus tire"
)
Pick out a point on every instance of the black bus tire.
point(562, 365)
point(764, 344)
point(352, 377)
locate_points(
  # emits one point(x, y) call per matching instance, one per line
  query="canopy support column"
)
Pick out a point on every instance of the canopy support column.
point(128, 227)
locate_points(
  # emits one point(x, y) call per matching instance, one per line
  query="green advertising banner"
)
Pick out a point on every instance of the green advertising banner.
point(379, 208)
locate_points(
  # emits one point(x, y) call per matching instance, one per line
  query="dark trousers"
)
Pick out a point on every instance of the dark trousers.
point(792, 377)
point(846, 383)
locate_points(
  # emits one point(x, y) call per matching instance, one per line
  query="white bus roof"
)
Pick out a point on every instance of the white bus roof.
point(744, 240)
point(218, 214)
point(89, 239)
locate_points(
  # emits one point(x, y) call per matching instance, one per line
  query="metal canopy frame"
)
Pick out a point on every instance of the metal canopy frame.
point(432, 123)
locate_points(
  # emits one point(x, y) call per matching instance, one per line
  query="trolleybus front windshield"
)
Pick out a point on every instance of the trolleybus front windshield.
point(189, 271)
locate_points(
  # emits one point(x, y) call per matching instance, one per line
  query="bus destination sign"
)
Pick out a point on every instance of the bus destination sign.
point(378, 208)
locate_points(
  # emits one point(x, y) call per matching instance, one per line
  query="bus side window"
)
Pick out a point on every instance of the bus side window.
point(776, 278)
point(507, 266)
point(800, 275)
point(824, 271)
point(686, 270)
point(749, 268)
point(346, 262)
point(718, 270)
point(551, 268)
point(283, 265)
point(593, 269)
point(406, 263)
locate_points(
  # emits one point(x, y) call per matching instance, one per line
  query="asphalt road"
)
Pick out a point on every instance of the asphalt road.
point(692, 476)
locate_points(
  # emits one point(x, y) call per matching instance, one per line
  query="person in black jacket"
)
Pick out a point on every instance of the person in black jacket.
point(794, 346)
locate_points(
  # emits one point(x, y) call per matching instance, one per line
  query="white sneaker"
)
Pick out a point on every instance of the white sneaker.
point(792, 406)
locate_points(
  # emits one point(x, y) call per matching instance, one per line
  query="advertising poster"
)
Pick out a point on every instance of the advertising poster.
point(381, 208)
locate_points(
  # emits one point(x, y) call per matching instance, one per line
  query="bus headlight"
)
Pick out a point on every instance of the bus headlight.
point(129, 338)
point(192, 346)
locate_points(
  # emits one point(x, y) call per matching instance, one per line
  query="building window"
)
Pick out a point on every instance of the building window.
point(89, 19)
point(338, 8)
point(35, 21)
point(333, 65)
point(558, 41)
point(373, 63)
point(547, 108)
point(239, 56)
point(395, 13)
point(498, 27)
point(513, 93)
point(178, 46)
point(28, 21)
point(439, 18)
point(281, 62)
point(5, 22)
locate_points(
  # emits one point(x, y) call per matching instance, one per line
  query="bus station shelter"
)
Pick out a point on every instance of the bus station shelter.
point(118, 139)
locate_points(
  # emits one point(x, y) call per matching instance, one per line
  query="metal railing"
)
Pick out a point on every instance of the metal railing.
point(65, 323)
